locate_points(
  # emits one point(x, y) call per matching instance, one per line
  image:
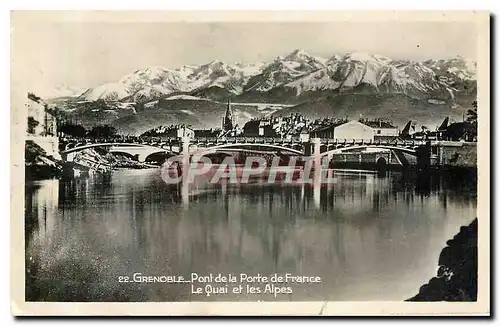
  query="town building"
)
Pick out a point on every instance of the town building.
point(304, 135)
point(460, 131)
point(356, 129)
point(326, 128)
point(179, 131)
point(442, 132)
point(206, 133)
point(266, 129)
point(324, 131)
point(251, 128)
point(41, 125)
point(259, 128)
point(352, 130)
point(168, 132)
point(275, 126)
point(40, 121)
point(382, 129)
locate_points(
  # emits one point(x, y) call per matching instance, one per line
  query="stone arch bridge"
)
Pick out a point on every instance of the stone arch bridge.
point(142, 150)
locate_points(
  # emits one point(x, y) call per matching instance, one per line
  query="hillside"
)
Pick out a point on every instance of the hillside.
point(197, 113)
point(397, 107)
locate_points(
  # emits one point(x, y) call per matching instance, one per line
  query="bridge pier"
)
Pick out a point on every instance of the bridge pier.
point(312, 147)
point(185, 156)
point(424, 156)
point(186, 141)
point(316, 146)
point(317, 159)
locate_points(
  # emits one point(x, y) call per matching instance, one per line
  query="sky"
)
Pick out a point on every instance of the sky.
point(86, 54)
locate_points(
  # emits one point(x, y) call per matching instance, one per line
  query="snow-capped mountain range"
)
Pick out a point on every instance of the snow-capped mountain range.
point(352, 84)
point(156, 82)
point(295, 74)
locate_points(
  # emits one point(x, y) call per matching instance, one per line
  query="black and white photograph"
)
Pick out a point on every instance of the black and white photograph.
point(251, 160)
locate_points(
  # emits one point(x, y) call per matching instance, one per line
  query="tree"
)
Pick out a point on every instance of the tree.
point(472, 113)
point(100, 104)
point(139, 107)
point(73, 130)
point(102, 131)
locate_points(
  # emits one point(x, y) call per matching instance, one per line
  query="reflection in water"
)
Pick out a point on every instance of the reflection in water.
point(368, 236)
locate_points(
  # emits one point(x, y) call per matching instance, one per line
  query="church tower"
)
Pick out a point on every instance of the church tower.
point(228, 122)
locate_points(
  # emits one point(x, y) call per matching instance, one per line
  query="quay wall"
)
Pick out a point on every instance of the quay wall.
point(454, 154)
point(440, 154)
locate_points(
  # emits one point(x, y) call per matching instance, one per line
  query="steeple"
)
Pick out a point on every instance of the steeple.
point(229, 112)
point(228, 120)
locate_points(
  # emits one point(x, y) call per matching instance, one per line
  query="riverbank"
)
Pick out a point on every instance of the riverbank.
point(97, 159)
point(456, 278)
point(40, 165)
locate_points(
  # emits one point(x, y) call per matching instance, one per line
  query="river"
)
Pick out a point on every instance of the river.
point(367, 236)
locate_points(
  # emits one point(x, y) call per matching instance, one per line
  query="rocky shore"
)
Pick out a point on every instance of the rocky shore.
point(40, 165)
point(456, 278)
point(101, 160)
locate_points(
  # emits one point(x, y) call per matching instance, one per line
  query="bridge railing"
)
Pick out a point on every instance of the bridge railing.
point(228, 140)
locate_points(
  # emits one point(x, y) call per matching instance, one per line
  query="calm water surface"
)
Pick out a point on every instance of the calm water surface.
point(368, 236)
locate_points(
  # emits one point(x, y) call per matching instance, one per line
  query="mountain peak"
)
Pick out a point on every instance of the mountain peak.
point(298, 69)
point(358, 56)
point(365, 57)
point(297, 55)
point(334, 58)
point(215, 62)
point(155, 68)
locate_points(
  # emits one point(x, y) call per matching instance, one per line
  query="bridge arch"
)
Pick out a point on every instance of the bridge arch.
point(348, 148)
point(246, 146)
point(298, 147)
point(381, 161)
point(69, 146)
point(158, 157)
point(216, 157)
point(86, 146)
point(132, 156)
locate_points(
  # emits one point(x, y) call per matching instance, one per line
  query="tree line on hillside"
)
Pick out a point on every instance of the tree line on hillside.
point(470, 124)
point(79, 131)
point(472, 113)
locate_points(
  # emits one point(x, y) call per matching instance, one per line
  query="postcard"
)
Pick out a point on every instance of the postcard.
point(250, 163)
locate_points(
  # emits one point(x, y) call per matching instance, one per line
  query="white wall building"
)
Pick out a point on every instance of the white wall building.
point(353, 130)
point(365, 130)
point(41, 126)
point(40, 122)
point(383, 130)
